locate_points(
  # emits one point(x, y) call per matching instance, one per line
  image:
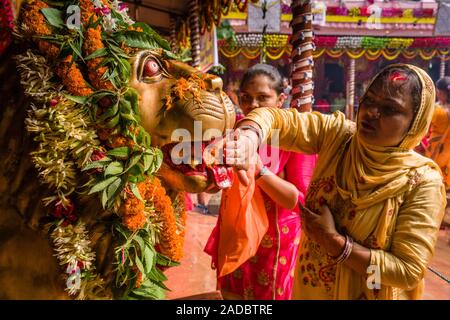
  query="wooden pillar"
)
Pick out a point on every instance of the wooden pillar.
point(442, 67)
point(194, 24)
point(173, 34)
point(351, 90)
point(136, 10)
point(302, 55)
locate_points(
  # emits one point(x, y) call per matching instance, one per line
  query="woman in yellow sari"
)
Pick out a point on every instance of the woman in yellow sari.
point(374, 206)
point(439, 143)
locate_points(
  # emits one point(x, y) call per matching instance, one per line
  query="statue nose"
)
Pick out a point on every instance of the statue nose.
point(214, 84)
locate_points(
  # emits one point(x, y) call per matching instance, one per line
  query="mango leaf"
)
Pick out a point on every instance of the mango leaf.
point(140, 241)
point(112, 111)
point(112, 188)
point(121, 152)
point(164, 261)
point(95, 165)
point(113, 122)
point(128, 117)
point(54, 17)
point(150, 292)
point(135, 159)
point(140, 265)
point(76, 50)
point(149, 258)
point(133, 97)
point(135, 191)
point(102, 185)
point(77, 99)
point(97, 53)
point(114, 168)
point(148, 160)
point(136, 39)
point(157, 275)
point(159, 158)
point(153, 34)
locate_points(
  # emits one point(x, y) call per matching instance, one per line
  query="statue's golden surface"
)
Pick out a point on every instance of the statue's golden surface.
point(203, 116)
point(63, 85)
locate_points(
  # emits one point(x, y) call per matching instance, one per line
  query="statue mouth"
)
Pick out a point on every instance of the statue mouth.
point(219, 174)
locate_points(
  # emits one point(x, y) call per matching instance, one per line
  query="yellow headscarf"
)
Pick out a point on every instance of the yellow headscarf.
point(374, 173)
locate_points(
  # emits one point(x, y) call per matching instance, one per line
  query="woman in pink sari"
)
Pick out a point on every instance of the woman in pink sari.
point(282, 179)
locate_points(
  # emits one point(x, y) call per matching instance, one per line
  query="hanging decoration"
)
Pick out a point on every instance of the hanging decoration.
point(342, 42)
point(370, 54)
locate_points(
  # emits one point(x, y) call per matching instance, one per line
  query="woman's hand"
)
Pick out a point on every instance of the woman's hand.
point(321, 229)
point(241, 151)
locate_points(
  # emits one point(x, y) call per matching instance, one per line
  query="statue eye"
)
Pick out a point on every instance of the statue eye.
point(151, 68)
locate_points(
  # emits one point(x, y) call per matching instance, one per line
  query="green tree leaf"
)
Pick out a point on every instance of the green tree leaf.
point(102, 185)
point(140, 266)
point(121, 152)
point(96, 165)
point(149, 259)
point(114, 168)
point(148, 160)
point(113, 122)
point(134, 160)
point(113, 187)
point(135, 191)
point(77, 99)
point(97, 54)
point(53, 16)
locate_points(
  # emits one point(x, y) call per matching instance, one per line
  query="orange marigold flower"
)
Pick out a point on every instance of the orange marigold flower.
point(134, 222)
point(171, 240)
point(35, 21)
point(92, 43)
point(72, 78)
point(121, 141)
point(87, 10)
point(139, 279)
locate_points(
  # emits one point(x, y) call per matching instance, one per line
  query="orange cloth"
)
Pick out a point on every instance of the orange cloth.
point(243, 223)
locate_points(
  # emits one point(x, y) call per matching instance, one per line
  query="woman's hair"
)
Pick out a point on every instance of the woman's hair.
point(443, 84)
point(266, 70)
point(408, 82)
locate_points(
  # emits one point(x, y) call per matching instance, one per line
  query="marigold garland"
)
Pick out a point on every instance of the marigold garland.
point(135, 217)
point(68, 126)
point(35, 21)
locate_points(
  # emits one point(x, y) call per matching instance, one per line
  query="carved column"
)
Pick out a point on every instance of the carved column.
point(194, 24)
point(349, 108)
point(302, 55)
point(442, 67)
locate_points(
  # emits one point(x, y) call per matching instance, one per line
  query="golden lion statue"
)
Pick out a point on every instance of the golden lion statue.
point(91, 199)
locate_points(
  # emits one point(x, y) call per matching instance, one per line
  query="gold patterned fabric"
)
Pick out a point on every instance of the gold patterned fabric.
point(390, 200)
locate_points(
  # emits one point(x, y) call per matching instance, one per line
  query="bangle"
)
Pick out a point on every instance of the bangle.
point(255, 130)
point(347, 250)
point(264, 171)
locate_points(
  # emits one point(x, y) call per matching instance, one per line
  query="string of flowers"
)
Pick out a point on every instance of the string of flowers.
point(281, 40)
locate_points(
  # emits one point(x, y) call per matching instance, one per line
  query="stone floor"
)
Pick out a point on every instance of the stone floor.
point(194, 278)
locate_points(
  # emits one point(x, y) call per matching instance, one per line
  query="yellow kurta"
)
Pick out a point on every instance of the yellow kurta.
point(400, 230)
